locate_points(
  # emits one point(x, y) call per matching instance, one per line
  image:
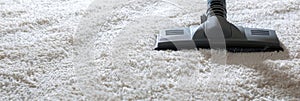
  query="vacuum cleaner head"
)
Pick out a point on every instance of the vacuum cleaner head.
point(216, 32)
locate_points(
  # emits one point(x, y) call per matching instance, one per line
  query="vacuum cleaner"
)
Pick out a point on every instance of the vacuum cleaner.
point(215, 32)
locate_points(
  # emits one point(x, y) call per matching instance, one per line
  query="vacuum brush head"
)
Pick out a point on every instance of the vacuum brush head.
point(217, 33)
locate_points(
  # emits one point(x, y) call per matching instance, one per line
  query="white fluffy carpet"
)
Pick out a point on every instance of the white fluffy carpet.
point(103, 50)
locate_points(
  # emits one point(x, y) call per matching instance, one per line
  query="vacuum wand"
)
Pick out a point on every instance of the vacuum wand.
point(216, 8)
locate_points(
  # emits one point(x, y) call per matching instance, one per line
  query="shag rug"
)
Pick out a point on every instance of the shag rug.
point(103, 50)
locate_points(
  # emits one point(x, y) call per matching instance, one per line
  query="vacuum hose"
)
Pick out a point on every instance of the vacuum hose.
point(216, 8)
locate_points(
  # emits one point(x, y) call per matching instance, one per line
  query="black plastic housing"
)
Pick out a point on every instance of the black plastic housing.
point(234, 39)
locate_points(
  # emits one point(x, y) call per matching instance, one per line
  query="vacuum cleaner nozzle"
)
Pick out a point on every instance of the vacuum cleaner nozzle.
point(216, 32)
